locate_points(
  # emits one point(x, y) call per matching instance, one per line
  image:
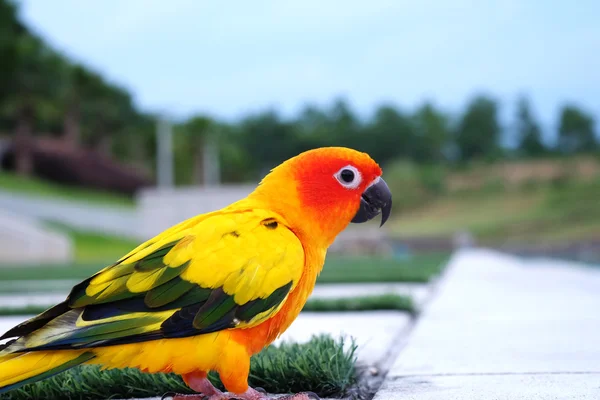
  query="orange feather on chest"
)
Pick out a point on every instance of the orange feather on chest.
point(257, 338)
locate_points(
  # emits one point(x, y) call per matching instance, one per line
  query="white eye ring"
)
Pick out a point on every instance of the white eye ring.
point(349, 177)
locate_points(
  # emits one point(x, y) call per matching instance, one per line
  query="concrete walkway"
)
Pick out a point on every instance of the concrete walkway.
point(501, 327)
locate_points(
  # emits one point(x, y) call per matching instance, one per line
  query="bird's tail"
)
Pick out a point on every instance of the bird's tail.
point(18, 369)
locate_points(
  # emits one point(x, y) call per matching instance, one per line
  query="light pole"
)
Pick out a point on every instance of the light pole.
point(211, 167)
point(164, 158)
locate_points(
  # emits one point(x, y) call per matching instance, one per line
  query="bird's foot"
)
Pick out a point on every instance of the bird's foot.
point(199, 382)
point(216, 394)
point(301, 396)
point(250, 394)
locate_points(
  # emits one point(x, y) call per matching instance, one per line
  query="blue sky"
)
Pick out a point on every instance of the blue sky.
point(234, 57)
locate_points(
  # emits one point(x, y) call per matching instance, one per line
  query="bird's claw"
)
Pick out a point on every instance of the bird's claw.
point(179, 396)
point(301, 396)
point(246, 396)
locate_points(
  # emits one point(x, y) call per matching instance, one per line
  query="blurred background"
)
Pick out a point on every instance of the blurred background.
point(119, 118)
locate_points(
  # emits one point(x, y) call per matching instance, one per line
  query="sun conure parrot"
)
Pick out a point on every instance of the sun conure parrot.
point(211, 291)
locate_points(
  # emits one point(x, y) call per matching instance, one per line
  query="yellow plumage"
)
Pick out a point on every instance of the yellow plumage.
point(205, 294)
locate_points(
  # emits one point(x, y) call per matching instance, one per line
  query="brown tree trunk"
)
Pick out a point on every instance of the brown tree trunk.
point(24, 141)
point(138, 154)
point(104, 145)
point(102, 138)
point(71, 127)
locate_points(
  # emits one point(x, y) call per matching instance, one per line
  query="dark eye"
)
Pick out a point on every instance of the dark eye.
point(347, 175)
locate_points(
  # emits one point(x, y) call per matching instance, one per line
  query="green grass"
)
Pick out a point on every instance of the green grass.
point(361, 303)
point(37, 286)
point(36, 272)
point(40, 188)
point(418, 268)
point(95, 247)
point(24, 310)
point(324, 365)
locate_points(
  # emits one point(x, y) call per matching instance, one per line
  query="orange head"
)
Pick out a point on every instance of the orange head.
point(319, 192)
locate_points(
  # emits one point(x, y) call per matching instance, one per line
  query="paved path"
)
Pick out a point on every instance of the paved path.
point(502, 328)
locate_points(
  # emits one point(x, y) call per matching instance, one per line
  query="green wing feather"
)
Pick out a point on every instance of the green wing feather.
point(149, 294)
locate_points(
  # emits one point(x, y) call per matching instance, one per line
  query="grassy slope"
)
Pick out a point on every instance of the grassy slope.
point(91, 247)
point(40, 188)
point(540, 213)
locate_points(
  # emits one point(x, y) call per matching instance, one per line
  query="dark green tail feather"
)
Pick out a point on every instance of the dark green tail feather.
point(54, 371)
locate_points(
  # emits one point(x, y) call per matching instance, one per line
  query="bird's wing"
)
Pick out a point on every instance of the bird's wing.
point(231, 269)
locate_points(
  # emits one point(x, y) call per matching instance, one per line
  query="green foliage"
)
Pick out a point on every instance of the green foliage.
point(528, 131)
point(478, 132)
point(389, 135)
point(268, 140)
point(576, 130)
point(361, 303)
point(323, 365)
point(36, 187)
point(43, 92)
point(10, 29)
point(189, 139)
point(432, 134)
point(416, 268)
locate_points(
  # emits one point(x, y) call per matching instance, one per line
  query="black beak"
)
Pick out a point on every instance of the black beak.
point(376, 199)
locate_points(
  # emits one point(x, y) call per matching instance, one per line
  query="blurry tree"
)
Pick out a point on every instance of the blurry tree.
point(528, 130)
point(389, 135)
point(197, 131)
point(576, 130)
point(79, 82)
point(268, 140)
point(344, 127)
point(10, 31)
point(235, 159)
point(313, 128)
point(43, 92)
point(135, 144)
point(35, 84)
point(49, 103)
point(431, 134)
point(107, 110)
point(142, 141)
point(478, 131)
